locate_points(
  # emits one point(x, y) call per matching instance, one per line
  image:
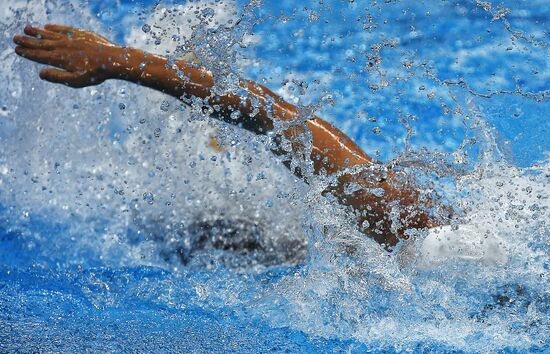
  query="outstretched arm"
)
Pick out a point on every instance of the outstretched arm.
point(85, 58)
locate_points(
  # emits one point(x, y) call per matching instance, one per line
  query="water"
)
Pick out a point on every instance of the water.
point(122, 229)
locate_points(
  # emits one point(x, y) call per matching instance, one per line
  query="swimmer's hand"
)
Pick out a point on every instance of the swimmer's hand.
point(84, 58)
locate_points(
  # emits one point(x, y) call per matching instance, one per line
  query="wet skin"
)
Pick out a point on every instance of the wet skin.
point(83, 58)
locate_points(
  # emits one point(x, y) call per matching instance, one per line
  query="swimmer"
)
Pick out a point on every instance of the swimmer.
point(386, 203)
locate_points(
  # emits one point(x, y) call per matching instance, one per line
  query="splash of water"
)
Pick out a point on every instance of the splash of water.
point(132, 176)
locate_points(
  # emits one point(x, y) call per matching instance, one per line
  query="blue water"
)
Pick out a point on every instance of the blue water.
point(100, 187)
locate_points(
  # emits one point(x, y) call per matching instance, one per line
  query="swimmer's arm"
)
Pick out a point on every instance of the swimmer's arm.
point(84, 58)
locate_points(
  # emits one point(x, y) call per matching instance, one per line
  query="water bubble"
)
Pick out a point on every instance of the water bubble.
point(407, 64)
point(121, 106)
point(235, 115)
point(146, 28)
point(313, 17)
point(149, 197)
point(208, 12)
point(157, 133)
point(164, 106)
point(379, 192)
point(377, 130)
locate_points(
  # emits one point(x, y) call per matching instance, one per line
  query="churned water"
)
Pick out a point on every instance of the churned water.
point(123, 229)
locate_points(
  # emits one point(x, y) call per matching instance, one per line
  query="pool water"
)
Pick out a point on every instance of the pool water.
point(123, 230)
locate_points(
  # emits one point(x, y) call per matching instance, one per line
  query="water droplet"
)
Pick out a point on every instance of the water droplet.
point(208, 12)
point(149, 197)
point(164, 106)
point(379, 192)
point(235, 115)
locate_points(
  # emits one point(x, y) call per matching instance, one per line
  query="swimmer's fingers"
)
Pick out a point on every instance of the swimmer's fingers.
point(42, 56)
point(62, 77)
point(40, 33)
point(33, 43)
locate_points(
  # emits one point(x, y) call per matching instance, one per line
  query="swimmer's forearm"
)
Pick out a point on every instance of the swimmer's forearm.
point(137, 66)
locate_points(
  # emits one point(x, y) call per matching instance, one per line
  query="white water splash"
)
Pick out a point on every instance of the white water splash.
point(116, 160)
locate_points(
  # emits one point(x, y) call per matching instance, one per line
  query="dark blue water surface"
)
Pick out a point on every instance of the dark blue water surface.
point(97, 186)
